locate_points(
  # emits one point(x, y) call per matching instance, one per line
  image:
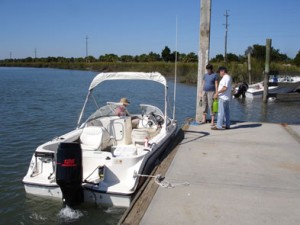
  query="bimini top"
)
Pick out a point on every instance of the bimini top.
point(153, 76)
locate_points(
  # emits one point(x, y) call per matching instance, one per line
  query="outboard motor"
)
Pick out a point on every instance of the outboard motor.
point(242, 90)
point(69, 172)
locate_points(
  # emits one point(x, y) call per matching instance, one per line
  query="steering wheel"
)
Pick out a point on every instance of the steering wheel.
point(159, 120)
point(152, 119)
point(148, 120)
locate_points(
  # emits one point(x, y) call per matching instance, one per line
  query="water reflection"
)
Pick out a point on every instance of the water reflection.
point(255, 110)
point(264, 112)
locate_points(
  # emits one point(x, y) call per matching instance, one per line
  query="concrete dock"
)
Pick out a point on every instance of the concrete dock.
point(249, 174)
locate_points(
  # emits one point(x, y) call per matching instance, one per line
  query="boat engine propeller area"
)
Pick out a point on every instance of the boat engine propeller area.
point(69, 172)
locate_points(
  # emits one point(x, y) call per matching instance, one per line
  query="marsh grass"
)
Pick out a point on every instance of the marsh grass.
point(187, 72)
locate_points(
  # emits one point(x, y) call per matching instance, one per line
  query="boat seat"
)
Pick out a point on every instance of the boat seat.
point(94, 138)
point(138, 136)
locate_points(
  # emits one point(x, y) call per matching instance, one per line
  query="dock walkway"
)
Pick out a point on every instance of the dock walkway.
point(249, 174)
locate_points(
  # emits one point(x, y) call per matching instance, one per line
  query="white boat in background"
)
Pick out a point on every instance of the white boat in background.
point(102, 159)
point(285, 84)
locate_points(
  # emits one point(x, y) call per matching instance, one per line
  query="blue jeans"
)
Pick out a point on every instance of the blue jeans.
point(223, 114)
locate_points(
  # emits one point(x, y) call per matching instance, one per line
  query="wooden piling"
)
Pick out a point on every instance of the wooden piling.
point(267, 70)
point(249, 68)
point(203, 54)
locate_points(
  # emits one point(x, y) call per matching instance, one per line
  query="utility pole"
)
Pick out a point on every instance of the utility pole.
point(86, 46)
point(226, 31)
point(203, 54)
point(35, 52)
point(10, 55)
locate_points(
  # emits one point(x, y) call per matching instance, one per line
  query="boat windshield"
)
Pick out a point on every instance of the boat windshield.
point(107, 110)
point(110, 110)
point(150, 109)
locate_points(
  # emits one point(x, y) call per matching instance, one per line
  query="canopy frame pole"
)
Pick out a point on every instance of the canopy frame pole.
point(83, 108)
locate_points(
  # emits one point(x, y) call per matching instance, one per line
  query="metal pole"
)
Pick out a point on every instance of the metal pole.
point(175, 80)
point(203, 54)
point(267, 70)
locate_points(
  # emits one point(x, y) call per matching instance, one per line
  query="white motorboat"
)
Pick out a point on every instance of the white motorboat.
point(284, 84)
point(102, 160)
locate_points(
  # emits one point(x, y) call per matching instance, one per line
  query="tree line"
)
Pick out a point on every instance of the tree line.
point(258, 53)
point(165, 56)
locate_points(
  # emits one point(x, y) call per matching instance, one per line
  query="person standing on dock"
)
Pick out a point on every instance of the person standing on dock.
point(208, 89)
point(224, 95)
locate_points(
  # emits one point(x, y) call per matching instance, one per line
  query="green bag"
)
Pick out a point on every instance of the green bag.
point(215, 105)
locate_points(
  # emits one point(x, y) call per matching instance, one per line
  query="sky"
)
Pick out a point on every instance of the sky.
point(133, 27)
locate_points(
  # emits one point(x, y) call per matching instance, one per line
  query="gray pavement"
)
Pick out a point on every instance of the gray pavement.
point(249, 174)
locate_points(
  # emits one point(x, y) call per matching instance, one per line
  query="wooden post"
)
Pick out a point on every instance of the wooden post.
point(249, 68)
point(267, 70)
point(248, 53)
point(203, 54)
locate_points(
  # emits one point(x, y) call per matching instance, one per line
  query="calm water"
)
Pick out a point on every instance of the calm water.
point(39, 104)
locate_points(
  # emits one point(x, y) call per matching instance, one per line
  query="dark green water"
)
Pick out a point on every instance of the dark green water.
point(40, 104)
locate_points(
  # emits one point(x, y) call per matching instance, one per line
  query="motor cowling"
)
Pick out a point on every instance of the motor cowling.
point(69, 172)
point(241, 90)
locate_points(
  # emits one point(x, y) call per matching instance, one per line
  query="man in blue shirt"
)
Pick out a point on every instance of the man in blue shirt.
point(207, 91)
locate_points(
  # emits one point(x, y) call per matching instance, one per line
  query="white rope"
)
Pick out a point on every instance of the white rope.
point(160, 180)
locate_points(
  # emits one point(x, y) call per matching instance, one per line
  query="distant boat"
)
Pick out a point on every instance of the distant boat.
point(103, 159)
point(284, 84)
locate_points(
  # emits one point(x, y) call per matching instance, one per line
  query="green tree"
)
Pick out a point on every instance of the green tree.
point(109, 58)
point(28, 59)
point(166, 54)
point(259, 52)
point(51, 59)
point(127, 58)
point(142, 58)
point(191, 57)
point(218, 58)
point(172, 56)
point(232, 57)
point(153, 57)
point(90, 58)
point(181, 57)
point(297, 59)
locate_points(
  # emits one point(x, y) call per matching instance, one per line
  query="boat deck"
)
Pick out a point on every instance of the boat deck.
point(245, 175)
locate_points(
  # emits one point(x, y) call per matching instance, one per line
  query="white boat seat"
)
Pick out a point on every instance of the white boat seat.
point(94, 138)
point(138, 136)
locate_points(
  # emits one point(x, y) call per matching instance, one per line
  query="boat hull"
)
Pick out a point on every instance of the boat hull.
point(90, 196)
point(256, 90)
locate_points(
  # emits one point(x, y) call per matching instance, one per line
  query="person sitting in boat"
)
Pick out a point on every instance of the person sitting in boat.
point(122, 111)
